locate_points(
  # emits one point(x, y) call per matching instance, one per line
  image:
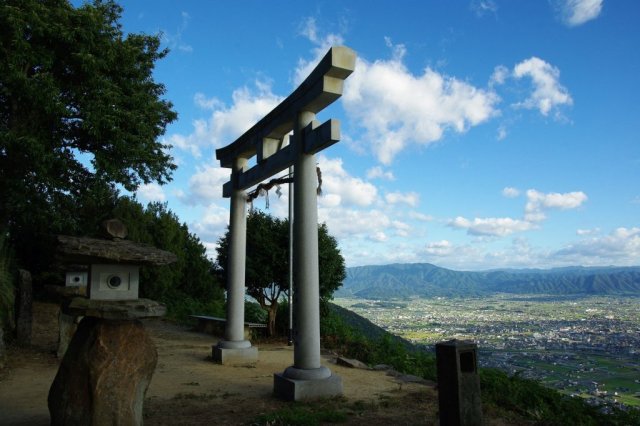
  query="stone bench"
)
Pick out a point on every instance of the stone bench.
point(216, 326)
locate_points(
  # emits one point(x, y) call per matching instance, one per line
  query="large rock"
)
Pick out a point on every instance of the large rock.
point(104, 374)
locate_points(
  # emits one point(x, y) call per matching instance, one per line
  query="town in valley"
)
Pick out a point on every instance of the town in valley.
point(584, 346)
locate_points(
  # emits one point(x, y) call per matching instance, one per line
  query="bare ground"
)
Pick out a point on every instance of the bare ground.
point(188, 389)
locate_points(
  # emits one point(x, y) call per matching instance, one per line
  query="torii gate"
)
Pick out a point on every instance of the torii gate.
point(306, 378)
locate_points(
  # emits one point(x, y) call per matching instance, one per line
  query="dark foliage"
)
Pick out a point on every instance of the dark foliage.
point(79, 112)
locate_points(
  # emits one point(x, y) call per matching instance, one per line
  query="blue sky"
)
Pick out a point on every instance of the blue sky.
point(475, 134)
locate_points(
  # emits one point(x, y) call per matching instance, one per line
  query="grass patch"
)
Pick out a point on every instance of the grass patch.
point(302, 415)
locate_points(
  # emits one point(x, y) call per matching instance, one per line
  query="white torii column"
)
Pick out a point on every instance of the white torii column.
point(306, 378)
point(234, 347)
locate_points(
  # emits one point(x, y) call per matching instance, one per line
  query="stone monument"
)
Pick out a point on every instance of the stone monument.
point(275, 149)
point(107, 367)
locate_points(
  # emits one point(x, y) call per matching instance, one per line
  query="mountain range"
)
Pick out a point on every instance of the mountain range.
point(402, 281)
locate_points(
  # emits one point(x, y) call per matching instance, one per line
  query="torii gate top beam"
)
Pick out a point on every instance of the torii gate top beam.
point(321, 88)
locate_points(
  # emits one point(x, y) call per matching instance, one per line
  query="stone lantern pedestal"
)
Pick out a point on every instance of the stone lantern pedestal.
point(108, 365)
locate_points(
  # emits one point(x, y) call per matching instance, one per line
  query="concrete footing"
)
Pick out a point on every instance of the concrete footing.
point(302, 390)
point(230, 356)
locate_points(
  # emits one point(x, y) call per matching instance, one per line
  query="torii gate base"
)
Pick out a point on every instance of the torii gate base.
point(234, 356)
point(305, 389)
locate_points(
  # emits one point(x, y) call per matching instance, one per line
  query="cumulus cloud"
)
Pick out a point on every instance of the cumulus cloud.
point(577, 12)
point(510, 192)
point(378, 172)
point(408, 198)
point(205, 185)
point(213, 223)
point(151, 192)
point(621, 246)
point(206, 103)
point(491, 227)
point(340, 188)
point(402, 228)
point(398, 108)
point(534, 212)
point(349, 223)
point(420, 216)
point(538, 202)
point(440, 248)
point(548, 93)
point(227, 123)
point(583, 232)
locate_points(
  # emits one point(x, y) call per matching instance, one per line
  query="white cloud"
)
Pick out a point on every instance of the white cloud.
point(502, 133)
point(584, 232)
point(378, 172)
point(408, 198)
point(440, 248)
point(350, 223)
point(342, 188)
point(621, 247)
point(378, 236)
point(397, 108)
point(206, 103)
point(483, 7)
point(213, 223)
point(548, 93)
point(510, 192)
point(537, 202)
point(227, 123)
point(151, 192)
point(174, 39)
point(402, 229)
point(577, 12)
point(205, 185)
point(420, 216)
point(499, 76)
point(492, 227)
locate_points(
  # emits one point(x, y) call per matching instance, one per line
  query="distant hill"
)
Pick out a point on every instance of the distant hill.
point(402, 281)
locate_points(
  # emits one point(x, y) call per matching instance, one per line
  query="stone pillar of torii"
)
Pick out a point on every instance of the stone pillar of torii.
point(267, 140)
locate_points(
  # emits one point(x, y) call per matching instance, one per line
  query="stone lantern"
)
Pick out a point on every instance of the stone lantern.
point(110, 360)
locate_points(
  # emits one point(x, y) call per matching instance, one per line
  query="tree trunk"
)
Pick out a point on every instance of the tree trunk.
point(271, 324)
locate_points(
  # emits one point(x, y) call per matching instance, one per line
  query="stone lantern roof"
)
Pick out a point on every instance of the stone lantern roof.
point(94, 250)
point(84, 250)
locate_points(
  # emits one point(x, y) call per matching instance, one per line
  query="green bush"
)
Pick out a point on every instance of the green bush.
point(254, 313)
point(179, 308)
point(338, 335)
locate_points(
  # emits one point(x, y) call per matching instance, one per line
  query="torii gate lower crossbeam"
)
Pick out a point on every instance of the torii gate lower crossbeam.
point(306, 378)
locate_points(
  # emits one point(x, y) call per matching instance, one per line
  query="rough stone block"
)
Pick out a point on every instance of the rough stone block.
point(304, 390)
point(104, 375)
point(67, 325)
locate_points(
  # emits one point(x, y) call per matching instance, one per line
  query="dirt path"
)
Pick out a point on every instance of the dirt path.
point(188, 389)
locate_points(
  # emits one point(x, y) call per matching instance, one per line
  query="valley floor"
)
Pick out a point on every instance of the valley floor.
point(584, 346)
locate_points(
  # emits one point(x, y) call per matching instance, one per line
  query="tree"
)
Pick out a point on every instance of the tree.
point(267, 264)
point(189, 284)
point(79, 109)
